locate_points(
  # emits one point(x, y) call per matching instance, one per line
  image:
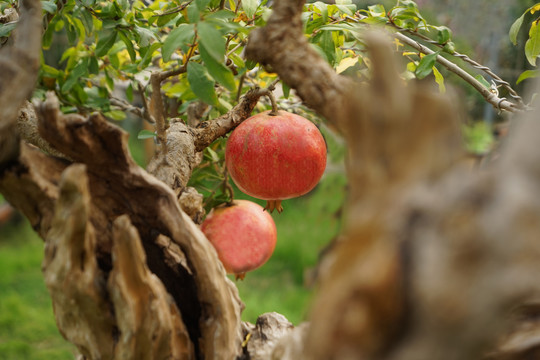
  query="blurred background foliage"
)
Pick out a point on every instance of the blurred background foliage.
point(308, 225)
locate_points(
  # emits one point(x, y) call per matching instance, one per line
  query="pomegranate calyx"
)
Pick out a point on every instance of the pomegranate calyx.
point(272, 205)
point(240, 276)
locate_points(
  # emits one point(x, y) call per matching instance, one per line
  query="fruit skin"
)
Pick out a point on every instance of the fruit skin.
point(276, 157)
point(243, 234)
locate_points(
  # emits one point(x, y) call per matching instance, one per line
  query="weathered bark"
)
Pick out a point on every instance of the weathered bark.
point(19, 62)
point(118, 186)
point(434, 257)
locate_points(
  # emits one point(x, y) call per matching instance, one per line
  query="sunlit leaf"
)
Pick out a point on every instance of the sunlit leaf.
point(532, 46)
point(527, 74)
point(78, 71)
point(201, 83)
point(514, 29)
point(115, 115)
point(49, 6)
point(145, 134)
point(323, 8)
point(439, 79)
point(377, 10)
point(346, 63)
point(250, 7)
point(425, 65)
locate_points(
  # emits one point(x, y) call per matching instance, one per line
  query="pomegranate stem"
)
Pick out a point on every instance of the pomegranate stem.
point(273, 101)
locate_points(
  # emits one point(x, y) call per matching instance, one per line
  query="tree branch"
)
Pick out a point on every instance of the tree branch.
point(20, 64)
point(219, 127)
point(490, 97)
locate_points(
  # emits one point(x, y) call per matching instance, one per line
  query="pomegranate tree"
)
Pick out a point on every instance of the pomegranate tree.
point(276, 157)
point(243, 234)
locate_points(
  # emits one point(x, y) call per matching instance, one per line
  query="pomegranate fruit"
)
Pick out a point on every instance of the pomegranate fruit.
point(276, 157)
point(243, 234)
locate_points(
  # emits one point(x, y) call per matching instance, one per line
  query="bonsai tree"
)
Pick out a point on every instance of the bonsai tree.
point(435, 260)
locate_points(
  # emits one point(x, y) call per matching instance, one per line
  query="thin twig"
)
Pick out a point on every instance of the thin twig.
point(126, 106)
point(158, 110)
point(176, 9)
point(490, 97)
point(496, 78)
point(221, 126)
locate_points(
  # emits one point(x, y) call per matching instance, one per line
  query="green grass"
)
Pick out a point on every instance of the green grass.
point(306, 225)
point(27, 325)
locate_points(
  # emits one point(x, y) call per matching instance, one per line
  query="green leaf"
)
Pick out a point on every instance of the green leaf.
point(347, 9)
point(514, 29)
point(377, 10)
point(93, 67)
point(163, 20)
point(323, 8)
point(50, 71)
point(527, 74)
point(129, 46)
point(87, 21)
point(6, 29)
point(212, 40)
point(146, 134)
point(201, 84)
point(328, 46)
point(532, 46)
point(49, 6)
point(286, 90)
point(425, 66)
point(115, 115)
point(181, 35)
point(439, 79)
point(74, 75)
point(443, 34)
point(145, 35)
point(129, 92)
point(106, 40)
point(193, 13)
point(201, 4)
point(250, 64)
point(218, 70)
point(250, 7)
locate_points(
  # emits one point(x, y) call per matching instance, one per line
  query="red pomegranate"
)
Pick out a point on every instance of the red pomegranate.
point(243, 234)
point(276, 157)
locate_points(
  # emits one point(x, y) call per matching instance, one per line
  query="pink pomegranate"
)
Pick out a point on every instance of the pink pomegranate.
point(276, 157)
point(243, 234)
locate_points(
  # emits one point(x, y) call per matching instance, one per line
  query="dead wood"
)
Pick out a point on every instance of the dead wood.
point(118, 186)
point(425, 269)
